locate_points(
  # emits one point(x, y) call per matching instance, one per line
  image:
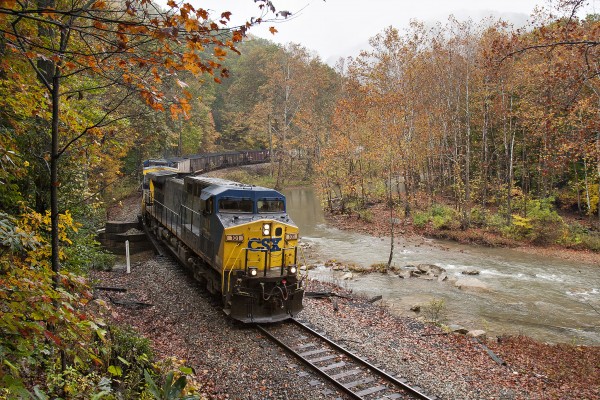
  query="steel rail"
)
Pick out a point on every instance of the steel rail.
point(413, 392)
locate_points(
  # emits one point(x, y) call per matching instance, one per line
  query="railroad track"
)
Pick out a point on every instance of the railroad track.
point(352, 375)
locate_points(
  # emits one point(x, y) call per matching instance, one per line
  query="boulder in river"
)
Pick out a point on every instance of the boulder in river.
point(470, 272)
point(347, 276)
point(469, 283)
point(404, 274)
point(430, 269)
point(477, 333)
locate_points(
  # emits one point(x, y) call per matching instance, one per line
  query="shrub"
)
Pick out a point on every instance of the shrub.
point(440, 216)
point(479, 216)
point(130, 355)
point(541, 225)
point(444, 217)
point(170, 379)
point(435, 311)
point(591, 241)
point(580, 237)
point(420, 219)
point(366, 215)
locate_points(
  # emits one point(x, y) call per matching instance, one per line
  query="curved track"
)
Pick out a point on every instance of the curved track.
point(349, 373)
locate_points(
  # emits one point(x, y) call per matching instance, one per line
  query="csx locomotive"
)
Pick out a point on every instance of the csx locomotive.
point(236, 238)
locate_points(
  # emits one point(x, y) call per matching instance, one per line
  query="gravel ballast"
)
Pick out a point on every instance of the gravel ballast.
point(236, 362)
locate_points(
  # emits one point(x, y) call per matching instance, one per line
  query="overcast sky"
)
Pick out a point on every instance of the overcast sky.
point(341, 28)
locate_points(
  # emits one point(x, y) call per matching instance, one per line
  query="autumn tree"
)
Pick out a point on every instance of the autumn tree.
point(83, 49)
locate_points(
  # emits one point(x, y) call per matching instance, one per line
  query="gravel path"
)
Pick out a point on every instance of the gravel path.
point(235, 362)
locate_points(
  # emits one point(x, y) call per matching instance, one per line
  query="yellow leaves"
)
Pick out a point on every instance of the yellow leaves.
point(182, 107)
point(219, 52)
point(272, 30)
point(191, 25)
point(191, 62)
point(8, 3)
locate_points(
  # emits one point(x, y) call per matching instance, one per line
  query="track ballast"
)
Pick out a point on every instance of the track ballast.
point(352, 375)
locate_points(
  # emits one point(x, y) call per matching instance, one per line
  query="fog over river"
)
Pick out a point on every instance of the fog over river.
point(549, 299)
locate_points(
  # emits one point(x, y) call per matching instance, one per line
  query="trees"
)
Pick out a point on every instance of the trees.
point(82, 49)
point(471, 114)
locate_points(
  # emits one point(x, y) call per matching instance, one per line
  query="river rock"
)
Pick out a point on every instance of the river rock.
point(337, 267)
point(443, 276)
point(430, 269)
point(347, 276)
point(416, 308)
point(404, 274)
point(470, 272)
point(457, 329)
point(468, 283)
point(477, 333)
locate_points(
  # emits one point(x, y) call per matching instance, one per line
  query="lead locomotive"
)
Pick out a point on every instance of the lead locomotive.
point(236, 238)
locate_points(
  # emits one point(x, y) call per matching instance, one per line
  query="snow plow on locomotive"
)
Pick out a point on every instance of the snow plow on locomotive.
point(236, 238)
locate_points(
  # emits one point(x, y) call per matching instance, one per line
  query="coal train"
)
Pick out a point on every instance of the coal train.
point(200, 163)
point(235, 238)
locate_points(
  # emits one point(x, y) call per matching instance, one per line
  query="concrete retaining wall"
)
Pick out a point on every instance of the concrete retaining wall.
point(115, 234)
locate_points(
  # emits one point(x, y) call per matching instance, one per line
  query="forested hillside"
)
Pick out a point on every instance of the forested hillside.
point(458, 125)
point(485, 125)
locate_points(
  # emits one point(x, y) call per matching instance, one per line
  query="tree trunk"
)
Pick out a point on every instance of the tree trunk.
point(54, 183)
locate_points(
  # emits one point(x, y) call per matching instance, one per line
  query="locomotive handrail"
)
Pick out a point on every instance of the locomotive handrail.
point(230, 270)
point(192, 210)
point(164, 220)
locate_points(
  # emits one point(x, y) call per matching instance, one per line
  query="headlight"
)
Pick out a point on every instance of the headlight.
point(292, 269)
point(291, 236)
point(266, 230)
point(234, 238)
point(253, 271)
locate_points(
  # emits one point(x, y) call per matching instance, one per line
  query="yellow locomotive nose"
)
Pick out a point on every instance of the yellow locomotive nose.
point(267, 246)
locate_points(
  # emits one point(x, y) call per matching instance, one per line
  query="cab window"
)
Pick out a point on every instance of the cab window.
point(235, 205)
point(206, 206)
point(270, 206)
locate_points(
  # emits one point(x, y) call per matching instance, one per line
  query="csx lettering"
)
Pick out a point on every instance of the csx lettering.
point(271, 244)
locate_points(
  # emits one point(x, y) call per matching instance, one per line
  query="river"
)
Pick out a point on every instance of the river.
point(549, 299)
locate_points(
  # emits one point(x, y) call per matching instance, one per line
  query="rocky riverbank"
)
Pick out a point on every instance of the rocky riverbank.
point(236, 362)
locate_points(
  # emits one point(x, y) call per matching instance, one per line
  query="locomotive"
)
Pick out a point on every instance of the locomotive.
point(235, 238)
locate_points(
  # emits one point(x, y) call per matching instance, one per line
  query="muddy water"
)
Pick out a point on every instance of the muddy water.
point(549, 299)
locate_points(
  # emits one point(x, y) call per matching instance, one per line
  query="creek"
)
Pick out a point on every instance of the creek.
point(549, 299)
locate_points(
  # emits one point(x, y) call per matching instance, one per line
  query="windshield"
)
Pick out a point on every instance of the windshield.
point(270, 206)
point(235, 205)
